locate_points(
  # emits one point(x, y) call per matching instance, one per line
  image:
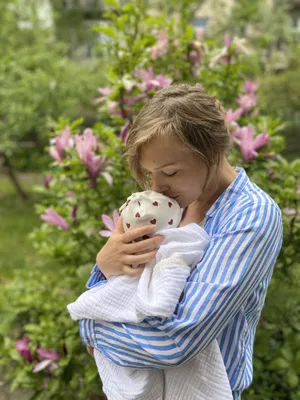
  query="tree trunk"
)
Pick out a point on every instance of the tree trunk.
point(8, 169)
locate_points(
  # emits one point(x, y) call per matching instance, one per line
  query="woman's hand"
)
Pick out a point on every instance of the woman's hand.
point(119, 253)
point(90, 350)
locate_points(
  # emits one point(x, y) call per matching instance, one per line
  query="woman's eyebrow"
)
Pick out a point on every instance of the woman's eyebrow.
point(163, 166)
point(155, 169)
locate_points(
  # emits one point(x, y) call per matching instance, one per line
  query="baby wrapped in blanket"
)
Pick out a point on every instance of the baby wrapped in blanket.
point(155, 294)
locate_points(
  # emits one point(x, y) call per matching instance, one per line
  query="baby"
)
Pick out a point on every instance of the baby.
point(155, 294)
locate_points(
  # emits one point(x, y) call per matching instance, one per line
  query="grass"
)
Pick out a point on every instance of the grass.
point(17, 220)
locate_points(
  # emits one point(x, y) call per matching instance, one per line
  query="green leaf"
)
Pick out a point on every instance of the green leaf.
point(129, 7)
point(113, 3)
point(278, 364)
point(292, 378)
point(83, 271)
point(106, 30)
point(189, 33)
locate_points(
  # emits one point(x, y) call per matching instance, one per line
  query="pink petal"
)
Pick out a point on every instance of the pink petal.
point(48, 353)
point(105, 91)
point(260, 140)
point(113, 107)
point(105, 233)
point(54, 154)
point(200, 33)
point(99, 100)
point(108, 222)
point(23, 349)
point(52, 217)
point(41, 365)
point(124, 130)
point(47, 179)
point(227, 40)
point(250, 86)
point(107, 177)
point(116, 217)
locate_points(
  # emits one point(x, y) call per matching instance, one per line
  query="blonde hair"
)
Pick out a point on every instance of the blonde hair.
point(189, 114)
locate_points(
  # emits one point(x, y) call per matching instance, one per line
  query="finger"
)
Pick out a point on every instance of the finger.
point(133, 272)
point(119, 227)
point(136, 233)
point(147, 244)
point(141, 258)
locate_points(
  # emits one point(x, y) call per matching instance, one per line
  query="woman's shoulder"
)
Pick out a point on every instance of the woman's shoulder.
point(242, 206)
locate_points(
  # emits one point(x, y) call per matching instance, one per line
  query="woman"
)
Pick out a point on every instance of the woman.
point(179, 142)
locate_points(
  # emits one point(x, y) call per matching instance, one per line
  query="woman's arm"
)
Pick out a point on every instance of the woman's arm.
point(238, 259)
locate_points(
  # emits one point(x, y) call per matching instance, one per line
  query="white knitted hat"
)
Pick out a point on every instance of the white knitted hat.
point(149, 207)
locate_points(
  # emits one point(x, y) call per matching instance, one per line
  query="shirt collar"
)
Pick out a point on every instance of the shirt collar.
point(236, 186)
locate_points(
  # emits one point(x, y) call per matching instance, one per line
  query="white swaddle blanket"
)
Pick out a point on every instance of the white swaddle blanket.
point(156, 293)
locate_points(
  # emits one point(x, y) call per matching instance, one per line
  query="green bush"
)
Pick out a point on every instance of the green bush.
point(38, 83)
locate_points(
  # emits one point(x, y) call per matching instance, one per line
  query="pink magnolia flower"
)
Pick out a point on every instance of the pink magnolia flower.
point(124, 131)
point(47, 358)
point(236, 45)
point(105, 92)
point(84, 144)
point(110, 223)
point(227, 40)
point(221, 55)
point(199, 34)
point(113, 107)
point(246, 102)
point(130, 101)
point(64, 140)
point(232, 116)
point(96, 165)
point(248, 143)
point(150, 81)
point(54, 154)
point(53, 218)
point(23, 348)
point(70, 194)
point(241, 45)
point(161, 46)
point(47, 179)
point(250, 87)
point(60, 143)
point(99, 166)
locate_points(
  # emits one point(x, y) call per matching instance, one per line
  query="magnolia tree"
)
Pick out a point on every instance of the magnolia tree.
point(88, 180)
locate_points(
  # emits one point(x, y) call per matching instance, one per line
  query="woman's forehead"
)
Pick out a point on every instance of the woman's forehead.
point(161, 151)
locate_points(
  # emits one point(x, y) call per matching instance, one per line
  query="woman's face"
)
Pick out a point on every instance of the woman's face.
point(174, 170)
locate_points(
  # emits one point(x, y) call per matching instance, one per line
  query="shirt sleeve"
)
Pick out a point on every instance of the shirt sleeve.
point(96, 278)
point(240, 256)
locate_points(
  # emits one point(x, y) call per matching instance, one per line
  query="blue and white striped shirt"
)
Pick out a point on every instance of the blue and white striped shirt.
point(223, 297)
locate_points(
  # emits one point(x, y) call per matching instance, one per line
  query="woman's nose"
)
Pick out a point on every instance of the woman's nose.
point(159, 186)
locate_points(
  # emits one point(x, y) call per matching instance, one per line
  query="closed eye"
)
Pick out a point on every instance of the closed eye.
point(170, 174)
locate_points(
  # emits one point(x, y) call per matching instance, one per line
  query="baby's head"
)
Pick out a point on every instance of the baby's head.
point(149, 207)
